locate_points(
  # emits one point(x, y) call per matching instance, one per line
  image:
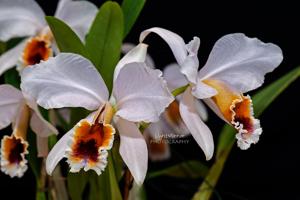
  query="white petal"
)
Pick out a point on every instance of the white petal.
point(133, 149)
point(141, 93)
point(19, 18)
point(37, 122)
point(174, 77)
point(68, 80)
point(137, 54)
point(42, 146)
point(241, 62)
point(10, 58)
point(79, 15)
point(58, 151)
point(201, 109)
point(40, 126)
point(175, 42)
point(126, 47)
point(10, 101)
point(199, 130)
point(203, 91)
point(190, 66)
point(185, 55)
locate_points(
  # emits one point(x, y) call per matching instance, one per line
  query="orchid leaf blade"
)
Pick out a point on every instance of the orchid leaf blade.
point(131, 10)
point(65, 37)
point(76, 184)
point(104, 40)
point(186, 169)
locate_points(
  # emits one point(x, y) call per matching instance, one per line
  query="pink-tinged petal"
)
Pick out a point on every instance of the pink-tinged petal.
point(137, 54)
point(79, 15)
point(185, 54)
point(241, 62)
point(10, 102)
point(68, 80)
point(19, 18)
point(174, 77)
point(10, 58)
point(199, 130)
point(127, 47)
point(175, 42)
point(37, 122)
point(203, 91)
point(42, 146)
point(133, 149)
point(141, 93)
point(191, 64)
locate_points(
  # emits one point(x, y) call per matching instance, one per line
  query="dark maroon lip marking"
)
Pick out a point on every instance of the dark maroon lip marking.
point(13, 149)
point(35, 51)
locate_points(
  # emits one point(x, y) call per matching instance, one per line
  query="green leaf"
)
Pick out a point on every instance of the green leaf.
point(2, 47)
point(12, 77)
point(76, 184)
point(131, 10)
point(34, 161)
point(104, 40)
point(41, 196)
point(227, 137)
point(187, 169)
point(116, 157)
point(114, 185)
point(65, 37)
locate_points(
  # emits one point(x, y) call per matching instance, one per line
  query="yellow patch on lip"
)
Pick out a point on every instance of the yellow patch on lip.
point(36, 50)
point(237, 110)
point(89, 140)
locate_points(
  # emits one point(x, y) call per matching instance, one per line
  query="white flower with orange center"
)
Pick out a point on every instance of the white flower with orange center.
point(19, 111)
point(25, 18)
point(236, 65)
point(69, 80)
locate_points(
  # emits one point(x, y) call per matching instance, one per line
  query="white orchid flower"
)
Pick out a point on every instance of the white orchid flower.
point(69, 80)
point(170, 125)
point(25, 18)
point(236, 65)
point(16, 109)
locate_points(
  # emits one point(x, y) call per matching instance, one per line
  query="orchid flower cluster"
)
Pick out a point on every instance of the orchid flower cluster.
point(141, 95)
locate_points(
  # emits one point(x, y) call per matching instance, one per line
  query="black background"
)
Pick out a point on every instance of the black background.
point(268, 170)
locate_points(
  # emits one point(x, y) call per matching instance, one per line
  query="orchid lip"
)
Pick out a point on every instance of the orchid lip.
point(89, 144)
point(237, 110)
point(13, 151)
point(36, 49)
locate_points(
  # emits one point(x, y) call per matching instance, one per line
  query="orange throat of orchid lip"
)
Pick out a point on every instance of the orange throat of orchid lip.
point(89, 146)
point(237, 110)
point(13, 151)
point(158, 149)
point(173, 114)
point(36, 50)
point(173, 119)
